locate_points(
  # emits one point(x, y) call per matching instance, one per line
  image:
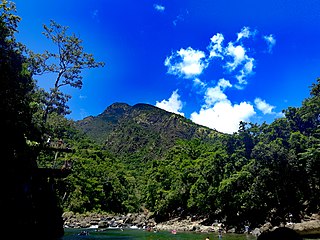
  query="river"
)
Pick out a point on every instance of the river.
point(131, 234)
point(72, 234)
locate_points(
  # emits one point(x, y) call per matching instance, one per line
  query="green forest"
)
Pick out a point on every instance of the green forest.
point(262, 173)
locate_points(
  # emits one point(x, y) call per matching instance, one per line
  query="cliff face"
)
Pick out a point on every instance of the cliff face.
point(131, 129)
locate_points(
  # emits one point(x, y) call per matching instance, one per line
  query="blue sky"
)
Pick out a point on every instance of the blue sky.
point(216, 62)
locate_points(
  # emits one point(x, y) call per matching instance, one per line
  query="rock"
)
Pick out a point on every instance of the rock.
point(266, 227)
point(103, 224)
point(231, 230)
point(280, 233)
point(308, 228)
point(84, 224)
point(256, 232)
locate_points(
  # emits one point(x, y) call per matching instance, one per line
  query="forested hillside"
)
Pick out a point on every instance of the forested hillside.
point(261, 173)
point(141, 130)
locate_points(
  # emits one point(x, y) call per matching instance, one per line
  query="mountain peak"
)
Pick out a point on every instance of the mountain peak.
point(119, 104)
point(133, 129)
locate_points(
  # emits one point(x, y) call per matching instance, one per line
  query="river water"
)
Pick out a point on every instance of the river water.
point(131, 234)
point(72, 234)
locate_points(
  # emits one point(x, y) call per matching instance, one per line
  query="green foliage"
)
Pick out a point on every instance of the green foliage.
point(98, 182)
point(261, 173)
point(15, 95)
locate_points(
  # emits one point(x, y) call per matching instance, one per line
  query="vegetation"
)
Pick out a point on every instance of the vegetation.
point(29, 116)
point(267, 172)
point(144, 157)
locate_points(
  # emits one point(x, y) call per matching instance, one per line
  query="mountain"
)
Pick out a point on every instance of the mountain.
point(141, 129)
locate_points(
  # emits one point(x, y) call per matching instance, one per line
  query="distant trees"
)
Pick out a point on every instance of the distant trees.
point(267, 172)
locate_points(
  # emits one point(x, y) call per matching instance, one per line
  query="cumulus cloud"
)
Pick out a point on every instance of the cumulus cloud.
point(237, 62)
point(186, 63)
point(215, 47)
point(244, 33)
point(219, 113)
point(216, 94)
point(159, 8)
point(190, 63)
point(173, 104)
point(224, 116)
point(271, 41)
point(266, 108)
point(245, 71)
point(238, 55)
point(263, 106)
point(240, 62)
point(238, 58)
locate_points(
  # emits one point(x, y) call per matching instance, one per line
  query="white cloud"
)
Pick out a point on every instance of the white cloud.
point(174, 104)
point(224, 116)
point(223, 83)
point(198, 83)
point(245, 33)
point(219, 113)
point(235, 57)
point(263, 106)
point(159, 8)
point(271, 41)
point(215, 46)
point(245, 71)
point(240, 62)
point(238, 54)
point(187, 63)
point(216, 94)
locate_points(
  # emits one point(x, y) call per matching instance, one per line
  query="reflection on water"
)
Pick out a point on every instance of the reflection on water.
point(90, 234)
point(129, 234)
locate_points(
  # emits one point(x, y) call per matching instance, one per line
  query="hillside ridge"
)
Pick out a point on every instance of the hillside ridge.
point(129, 129)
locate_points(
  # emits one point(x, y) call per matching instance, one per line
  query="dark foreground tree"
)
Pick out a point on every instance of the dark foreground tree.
point(18, 162)
point(28, 202)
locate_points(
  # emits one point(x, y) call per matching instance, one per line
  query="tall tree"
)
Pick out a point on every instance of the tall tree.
point(66, 65)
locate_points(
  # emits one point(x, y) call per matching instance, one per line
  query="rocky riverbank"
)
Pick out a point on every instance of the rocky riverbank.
point(308, 227)
point(142, 221)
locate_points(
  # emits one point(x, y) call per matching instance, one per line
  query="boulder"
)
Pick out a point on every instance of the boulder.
point(308, 228)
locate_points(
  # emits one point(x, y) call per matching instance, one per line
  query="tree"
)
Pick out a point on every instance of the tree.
point(66, 65)
point(16, 88)
point(18, 160)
